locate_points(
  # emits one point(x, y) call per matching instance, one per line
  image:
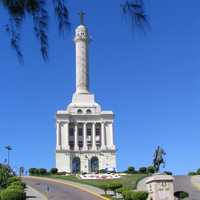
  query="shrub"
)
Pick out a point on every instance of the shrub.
point(12, 180)
point(181, 194)
point(198, 171)
point(131, 170)
point(5, 173)
point(13, 194)
point(42, 171)
point(104, 187)
point(15, 187)
point(114, 186)
point(192, 173)
point(102, 171)
point(33, 171)
point(127, 194)
point(168, 173)
point(132, 195)
point(61, 173)
point(18, 183)
point(143, 170)
point(54, 171)
point(139, 195)
point(151, 169)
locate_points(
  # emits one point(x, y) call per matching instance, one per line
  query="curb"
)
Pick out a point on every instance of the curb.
point(71, 185)
point(44, 195)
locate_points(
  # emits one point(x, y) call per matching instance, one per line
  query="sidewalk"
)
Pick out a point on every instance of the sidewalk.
point(33, 194)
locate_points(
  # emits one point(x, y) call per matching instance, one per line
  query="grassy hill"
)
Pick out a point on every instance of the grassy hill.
point(128, 181)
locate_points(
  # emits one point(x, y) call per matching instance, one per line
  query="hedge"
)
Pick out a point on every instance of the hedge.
point(143, 170)
point(132, 195)
point(18, 183)
point(35, 171)
point(104, 187)
point(192, 173)
point(13, 194)
point(54, 171)
point(139, 195)
point(114, 186)
point(181, 194)
point(15, 187)
point(12, 180)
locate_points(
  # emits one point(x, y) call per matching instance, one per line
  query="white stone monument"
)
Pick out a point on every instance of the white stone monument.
point(85, 141)
point(160, 187)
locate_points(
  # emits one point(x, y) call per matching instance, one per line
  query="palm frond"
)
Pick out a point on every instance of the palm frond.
point(37, 9)
point(62, 15)
point(134, 9)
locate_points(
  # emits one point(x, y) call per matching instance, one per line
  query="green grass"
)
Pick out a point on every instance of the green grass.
point(128, 181)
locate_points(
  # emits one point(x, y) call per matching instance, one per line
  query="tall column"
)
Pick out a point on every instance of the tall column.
point(103, 146)
point(81, 41)
point(58, 136)
point(94, 137)
point(111, 136)
point(65, 136)
point(76, 137)
point(84, 136)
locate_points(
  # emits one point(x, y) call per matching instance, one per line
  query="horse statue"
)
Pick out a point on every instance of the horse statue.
point(158, 158)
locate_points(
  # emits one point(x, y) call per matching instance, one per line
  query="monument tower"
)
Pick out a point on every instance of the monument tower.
point(84, 132)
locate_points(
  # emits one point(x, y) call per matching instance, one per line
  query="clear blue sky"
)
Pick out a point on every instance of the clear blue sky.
point(151, 82)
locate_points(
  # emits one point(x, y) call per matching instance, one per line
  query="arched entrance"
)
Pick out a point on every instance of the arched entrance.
point(94, 164)
point(76, 165)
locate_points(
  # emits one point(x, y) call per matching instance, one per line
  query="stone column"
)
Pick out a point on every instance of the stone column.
point(81, 41)
point(94, 137)
point(58, 136)
point(76, 137)
point(103, 146)
point(84, 136)
point(65, 136)
point(111, 136)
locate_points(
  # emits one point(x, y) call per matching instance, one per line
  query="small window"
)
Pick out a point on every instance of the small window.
point(80, 132)
point(79, 111)
point(71, 132)
point(88, 111)
point(89, 131)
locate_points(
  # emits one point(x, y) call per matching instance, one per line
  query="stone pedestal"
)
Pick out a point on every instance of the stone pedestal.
point(160, 187)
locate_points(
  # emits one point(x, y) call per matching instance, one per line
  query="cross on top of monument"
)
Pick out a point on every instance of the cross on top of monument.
point(82, 14)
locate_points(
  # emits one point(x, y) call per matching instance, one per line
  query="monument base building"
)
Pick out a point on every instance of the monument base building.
point(85, 135)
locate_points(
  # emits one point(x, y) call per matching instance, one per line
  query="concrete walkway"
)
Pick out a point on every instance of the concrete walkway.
point(33, 194)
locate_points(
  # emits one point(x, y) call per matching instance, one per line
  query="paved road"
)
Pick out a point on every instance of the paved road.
point(59, 191)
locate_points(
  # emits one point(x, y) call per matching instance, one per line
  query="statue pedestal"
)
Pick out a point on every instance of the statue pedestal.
point(160, 187)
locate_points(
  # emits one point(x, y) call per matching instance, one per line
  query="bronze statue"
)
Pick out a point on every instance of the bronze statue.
point(158, 159)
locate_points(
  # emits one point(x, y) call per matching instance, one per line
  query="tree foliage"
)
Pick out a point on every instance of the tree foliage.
point(18, 10)
point(5, 173)
point(39, 11)
point(131, 170)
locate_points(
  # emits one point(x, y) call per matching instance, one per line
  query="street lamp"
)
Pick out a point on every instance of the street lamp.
point(8, 148)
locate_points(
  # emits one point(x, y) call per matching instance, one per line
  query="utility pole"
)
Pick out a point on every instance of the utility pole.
point(8, 148)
